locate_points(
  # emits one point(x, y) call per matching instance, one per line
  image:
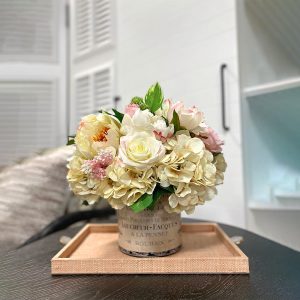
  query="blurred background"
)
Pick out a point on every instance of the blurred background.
point(238, 61)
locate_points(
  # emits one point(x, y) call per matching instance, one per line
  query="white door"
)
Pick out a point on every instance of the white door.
point(92, 57)
point(32, 78)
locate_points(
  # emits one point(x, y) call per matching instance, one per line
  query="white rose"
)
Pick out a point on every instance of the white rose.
point(140, 150)
point(140, 121)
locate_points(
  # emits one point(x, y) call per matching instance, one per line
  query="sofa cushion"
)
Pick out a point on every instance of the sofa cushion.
point(33, 193)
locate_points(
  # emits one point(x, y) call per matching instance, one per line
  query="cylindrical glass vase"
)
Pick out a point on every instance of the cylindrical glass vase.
point(150, 232)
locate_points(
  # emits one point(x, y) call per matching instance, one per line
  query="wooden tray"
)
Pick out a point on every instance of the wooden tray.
point(205, 249)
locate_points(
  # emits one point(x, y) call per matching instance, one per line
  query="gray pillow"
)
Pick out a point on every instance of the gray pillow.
point(32, 194)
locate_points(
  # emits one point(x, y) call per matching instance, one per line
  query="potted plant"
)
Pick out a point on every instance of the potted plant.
point(150, 163)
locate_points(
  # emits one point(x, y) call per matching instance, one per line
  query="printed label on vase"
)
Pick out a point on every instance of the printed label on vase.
point(151, 231)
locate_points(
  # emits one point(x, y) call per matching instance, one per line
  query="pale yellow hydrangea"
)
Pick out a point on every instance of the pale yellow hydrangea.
point(87, 177)
point(125, 186)
point(81, 183)
point(221, 166)
point(192, 170)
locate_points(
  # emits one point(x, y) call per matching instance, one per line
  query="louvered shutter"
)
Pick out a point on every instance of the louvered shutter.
point(93, 25)
point(27, 125)
point(103, 89)
point(94, 91)
point(83, 96)
point(20, 37)
point(32, 78)
point(102, 23)
point(83, 26)
point(93, 57)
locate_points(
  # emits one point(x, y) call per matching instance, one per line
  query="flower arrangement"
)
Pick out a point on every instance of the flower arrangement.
point(155, 148)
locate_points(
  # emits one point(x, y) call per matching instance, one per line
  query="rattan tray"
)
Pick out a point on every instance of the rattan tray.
point(205, 249)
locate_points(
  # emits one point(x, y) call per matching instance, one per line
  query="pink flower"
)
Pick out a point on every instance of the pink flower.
point(211, 140)
point(130, 109)
point(190, 118)
point(96, 167)
point(161, 131)
point(97, 171)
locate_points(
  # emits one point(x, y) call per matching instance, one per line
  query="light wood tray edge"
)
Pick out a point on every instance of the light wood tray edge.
point(60, 259)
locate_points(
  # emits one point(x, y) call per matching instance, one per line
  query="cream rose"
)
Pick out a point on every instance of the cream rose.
point(140, 150)
point(141, 120)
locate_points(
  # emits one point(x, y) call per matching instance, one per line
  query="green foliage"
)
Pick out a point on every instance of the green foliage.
point(149, 201)
point(137, 100)
point(158, 192)
point(71, 140)
point(154, 98)
point(169, 189)
point(166, 120)
point(118, 115)
point(175, 121)
point(142, 203)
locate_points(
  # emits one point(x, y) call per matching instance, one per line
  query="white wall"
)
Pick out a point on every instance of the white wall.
point(181, 44)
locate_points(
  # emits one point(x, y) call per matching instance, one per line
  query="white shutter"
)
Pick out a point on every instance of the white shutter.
point(93, 25)
point(83, 95)
point(92, 57)
point(103, 89)
point(94, 91)
point(28, 30)
point(83, 15)
point(32, 77)
point(102, 22)
point(28, 118)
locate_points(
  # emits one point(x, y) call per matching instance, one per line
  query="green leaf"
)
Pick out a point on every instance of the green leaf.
point(159, 192)
point(169, 189)
point(104, 112)
point(175, 121)
point(71, 140)
point(118, 115)
point(142, 203)
point(166, 120)
point(156, 195)
point(154, 98)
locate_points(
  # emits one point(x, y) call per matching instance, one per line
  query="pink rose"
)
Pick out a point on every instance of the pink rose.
point(212, 141)
point(130, 109)
point(190, 118)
